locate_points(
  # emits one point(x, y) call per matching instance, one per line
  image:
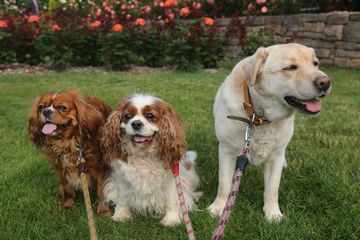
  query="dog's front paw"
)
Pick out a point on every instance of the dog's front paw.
point(217, 207)
point(67, 204)
point(102, 209)
point(272, 213)
point(171, 219)
point(121, 214)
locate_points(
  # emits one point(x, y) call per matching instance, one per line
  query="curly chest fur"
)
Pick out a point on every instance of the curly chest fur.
point(63, 157)
point(142, 182)
point(146, 175)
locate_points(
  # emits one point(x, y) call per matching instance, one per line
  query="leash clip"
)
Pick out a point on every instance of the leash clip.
point(80, 155)
point(248, 132)
point(80, 160)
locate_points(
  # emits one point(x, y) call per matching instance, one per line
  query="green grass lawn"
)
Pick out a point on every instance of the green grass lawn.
point(319, 192)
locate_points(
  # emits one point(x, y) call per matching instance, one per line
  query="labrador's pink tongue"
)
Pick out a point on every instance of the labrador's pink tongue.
point(49, 128)
point(312, 105)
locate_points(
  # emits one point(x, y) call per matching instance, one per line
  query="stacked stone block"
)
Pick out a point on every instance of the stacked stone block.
point(335, 36)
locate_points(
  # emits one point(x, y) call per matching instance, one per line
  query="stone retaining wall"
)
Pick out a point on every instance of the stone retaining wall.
point(335, 36)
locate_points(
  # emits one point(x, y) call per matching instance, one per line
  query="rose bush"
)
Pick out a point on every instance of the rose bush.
point(117, 33)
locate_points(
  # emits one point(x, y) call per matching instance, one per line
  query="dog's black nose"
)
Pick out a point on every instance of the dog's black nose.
point(47, 112)
point(136, 125)
point(322, 83)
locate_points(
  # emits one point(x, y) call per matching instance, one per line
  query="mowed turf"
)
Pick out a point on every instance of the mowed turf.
point(319, 193)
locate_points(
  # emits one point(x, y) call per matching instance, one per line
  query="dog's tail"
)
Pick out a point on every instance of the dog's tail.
point(190, 159)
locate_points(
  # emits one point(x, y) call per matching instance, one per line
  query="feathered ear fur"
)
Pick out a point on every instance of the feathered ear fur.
point(90, 119)
point(171, 136)
point(111, 135)
point(34, 127)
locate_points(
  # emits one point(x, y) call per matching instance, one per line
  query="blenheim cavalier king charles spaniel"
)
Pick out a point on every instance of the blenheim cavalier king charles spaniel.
point(58, 124)
point(142, 139)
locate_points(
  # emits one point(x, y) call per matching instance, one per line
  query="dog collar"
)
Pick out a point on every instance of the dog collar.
point(253, 117)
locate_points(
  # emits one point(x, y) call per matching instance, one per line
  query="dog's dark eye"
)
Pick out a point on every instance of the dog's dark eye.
point(150, 116)
point(62, 108)
point(127, 117)
point(41, 107)
point(292, 67)
point(316, 63)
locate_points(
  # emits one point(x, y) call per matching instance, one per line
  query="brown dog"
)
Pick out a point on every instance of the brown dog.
point(59, 125)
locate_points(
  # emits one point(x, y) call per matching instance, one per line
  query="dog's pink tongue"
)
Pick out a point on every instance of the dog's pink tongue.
point(49, 128)
point(313, 105)
point(140, 139)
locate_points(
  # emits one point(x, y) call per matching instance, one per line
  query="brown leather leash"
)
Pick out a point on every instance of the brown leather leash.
point(85, 189)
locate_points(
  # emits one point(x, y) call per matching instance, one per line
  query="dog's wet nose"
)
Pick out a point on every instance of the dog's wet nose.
point(322, 83)
point(47, 112)
point(136, 125)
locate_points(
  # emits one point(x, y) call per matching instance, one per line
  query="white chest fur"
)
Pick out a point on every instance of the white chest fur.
point(144, 175)
point(269, 139)
point(141, 182)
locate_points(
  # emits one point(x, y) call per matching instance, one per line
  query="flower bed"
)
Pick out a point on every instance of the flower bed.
point(118, 34)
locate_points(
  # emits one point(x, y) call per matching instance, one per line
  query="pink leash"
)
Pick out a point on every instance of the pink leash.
point(241, 163)
point(185, 213)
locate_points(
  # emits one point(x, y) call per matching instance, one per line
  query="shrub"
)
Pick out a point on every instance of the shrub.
point(118, 34)
point(183, 50)
point(260, 38)
point(54, 49)
point(211, 47)
point(7, 54)
point(118, 51)
point(152, 46)
point(86, 49)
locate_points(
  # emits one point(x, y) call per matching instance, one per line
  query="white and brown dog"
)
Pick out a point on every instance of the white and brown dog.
point(142, 139)
point(282, 79)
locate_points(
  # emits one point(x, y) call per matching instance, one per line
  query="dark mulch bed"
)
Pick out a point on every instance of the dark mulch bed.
point(28, 69)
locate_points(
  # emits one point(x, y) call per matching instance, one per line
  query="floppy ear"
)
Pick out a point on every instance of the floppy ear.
point(90, 119)
point(260, 58)
point(314, 54)
point(34, 127)
point(171, 135)
point(111, 138)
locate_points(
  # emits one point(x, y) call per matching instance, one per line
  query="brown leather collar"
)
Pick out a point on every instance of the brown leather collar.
point(257, 120)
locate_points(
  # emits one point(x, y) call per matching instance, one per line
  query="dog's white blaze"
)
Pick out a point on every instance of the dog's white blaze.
point(140, 100)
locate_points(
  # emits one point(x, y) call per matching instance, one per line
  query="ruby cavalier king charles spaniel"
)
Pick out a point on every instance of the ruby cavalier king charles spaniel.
point(142, 139)
point(59, 123)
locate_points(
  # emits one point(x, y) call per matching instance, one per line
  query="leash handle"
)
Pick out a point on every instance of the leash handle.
point(184, 211)
point(241, 162)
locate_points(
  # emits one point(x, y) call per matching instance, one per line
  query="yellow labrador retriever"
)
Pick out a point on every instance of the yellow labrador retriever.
point(282, 79)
